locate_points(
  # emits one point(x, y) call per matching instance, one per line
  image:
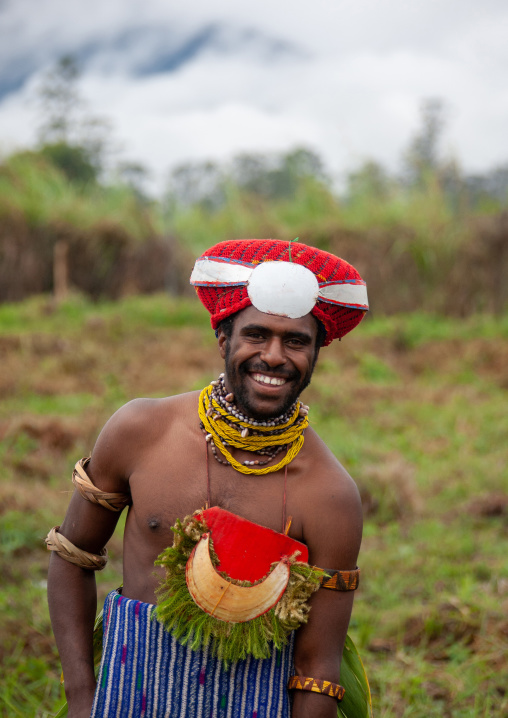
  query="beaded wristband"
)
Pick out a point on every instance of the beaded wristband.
point(316, 685)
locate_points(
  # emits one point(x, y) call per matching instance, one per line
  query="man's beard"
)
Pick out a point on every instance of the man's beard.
point(237, 385)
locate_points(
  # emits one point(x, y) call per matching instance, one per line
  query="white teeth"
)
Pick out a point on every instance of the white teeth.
point(269, 379)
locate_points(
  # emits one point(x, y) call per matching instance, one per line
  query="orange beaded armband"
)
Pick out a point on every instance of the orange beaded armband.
point(316, 685)
point(341, 580)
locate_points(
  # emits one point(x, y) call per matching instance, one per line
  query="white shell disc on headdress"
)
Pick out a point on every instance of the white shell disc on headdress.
point(283, 288)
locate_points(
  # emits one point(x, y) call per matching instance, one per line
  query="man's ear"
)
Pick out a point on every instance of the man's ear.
point(222, 339)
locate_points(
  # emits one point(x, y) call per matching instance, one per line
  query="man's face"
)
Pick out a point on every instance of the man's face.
point(269, 361)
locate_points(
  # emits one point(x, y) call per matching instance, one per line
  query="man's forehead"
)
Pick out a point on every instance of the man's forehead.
point(252, 317)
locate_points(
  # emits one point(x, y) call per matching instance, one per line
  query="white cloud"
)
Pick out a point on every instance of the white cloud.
point(349, 85)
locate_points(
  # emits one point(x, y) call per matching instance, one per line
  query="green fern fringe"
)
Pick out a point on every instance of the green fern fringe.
point(180, 615)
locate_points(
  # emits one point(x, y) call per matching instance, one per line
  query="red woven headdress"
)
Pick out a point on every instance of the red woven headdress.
point(222, 274)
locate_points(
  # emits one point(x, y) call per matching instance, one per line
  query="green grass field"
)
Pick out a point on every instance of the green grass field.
point(414, 406)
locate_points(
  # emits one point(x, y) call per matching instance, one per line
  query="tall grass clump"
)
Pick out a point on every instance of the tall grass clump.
point(33, 187)
point(57, 234)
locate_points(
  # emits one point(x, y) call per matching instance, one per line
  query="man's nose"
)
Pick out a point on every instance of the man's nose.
point(273, 352)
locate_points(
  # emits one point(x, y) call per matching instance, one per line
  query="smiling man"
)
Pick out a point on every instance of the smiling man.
point(270, 387)
point(253, 525)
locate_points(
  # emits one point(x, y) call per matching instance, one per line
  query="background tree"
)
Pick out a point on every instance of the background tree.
point(135, 176)
point(422, 156)
point(60, 102)
point(270, 176)
point(197, 183)
point(74, 140)
point(370, 180)
point(276, 176)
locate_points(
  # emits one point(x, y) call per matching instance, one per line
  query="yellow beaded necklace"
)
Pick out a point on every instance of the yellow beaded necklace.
point(225, 428)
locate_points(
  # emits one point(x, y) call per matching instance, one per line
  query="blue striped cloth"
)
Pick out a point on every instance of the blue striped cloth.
point(146, 673)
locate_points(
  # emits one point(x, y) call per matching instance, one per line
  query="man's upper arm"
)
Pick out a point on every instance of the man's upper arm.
point(332, 532)
point(90, 526)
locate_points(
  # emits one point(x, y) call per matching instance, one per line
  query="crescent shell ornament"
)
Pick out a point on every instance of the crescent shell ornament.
point(226, 600)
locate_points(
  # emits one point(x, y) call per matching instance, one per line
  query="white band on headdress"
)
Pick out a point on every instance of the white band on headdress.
point(285, 289)
point(220, 273)
point(346, 293)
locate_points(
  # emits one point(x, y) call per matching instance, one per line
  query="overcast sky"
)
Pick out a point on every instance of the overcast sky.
point(207, 79)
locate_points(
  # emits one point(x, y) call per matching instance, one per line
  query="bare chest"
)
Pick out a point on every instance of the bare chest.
point(165, 490)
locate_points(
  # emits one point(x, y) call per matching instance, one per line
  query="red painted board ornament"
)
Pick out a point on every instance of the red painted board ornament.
point(247, 550)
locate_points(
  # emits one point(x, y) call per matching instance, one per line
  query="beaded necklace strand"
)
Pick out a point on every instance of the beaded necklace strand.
point(224, 425)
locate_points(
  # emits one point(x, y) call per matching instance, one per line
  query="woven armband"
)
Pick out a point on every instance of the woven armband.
point(66, 550)
point(83, 483)
point(304, 683)
point(341, 580)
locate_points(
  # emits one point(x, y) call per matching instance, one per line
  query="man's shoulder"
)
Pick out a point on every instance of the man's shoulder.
point(322, 461)
point(324, 481)
point(140, 424)
point(141, 410)
point(332, 519)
